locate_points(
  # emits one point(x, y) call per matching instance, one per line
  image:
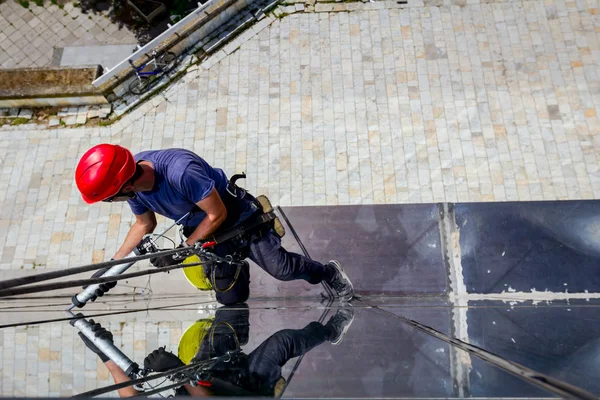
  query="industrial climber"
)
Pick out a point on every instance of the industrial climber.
point(175, 182)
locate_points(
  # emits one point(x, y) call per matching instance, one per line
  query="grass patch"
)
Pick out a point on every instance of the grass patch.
point(24, 3)
point(19, 121)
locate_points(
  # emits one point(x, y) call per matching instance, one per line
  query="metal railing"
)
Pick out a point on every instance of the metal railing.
point(161, 42)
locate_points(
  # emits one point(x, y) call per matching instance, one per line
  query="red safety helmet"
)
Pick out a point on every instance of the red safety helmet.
point(103, 171)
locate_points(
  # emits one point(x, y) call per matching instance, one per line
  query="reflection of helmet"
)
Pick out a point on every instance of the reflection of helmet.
point(102, 172)
point(195, 275)
point(190, 341)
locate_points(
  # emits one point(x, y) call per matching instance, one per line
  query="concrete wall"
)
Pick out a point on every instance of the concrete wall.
point(195, 29)
point(62, 101)
point(49, 86)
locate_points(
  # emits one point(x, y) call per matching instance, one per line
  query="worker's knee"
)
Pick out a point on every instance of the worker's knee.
point(229, 299)
point(232, 290)
point(239, 293)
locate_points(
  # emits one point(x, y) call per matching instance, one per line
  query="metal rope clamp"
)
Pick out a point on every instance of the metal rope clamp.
point(232, 188)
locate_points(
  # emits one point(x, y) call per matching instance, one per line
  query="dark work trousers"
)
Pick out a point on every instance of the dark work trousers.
point(261, 369)
point(266, 361)
point(265, 250)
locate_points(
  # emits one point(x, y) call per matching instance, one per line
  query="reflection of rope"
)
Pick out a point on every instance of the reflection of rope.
point(164, 388)
point(129, 311)
point(154, 388)
point(212, 337)
point(563, 389)
point(117, 386)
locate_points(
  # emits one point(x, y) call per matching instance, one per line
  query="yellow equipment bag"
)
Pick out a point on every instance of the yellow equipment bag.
point(195, 275)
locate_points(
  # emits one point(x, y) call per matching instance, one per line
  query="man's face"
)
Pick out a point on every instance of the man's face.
point(125, 193)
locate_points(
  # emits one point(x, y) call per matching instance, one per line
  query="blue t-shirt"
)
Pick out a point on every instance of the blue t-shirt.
point(181, 179)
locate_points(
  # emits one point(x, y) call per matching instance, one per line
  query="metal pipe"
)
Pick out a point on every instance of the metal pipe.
point(81, 299)
point(105, 346)
point(145, 246)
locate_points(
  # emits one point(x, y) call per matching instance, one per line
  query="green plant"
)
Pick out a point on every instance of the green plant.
point(76, 4)
point(24, 3)
point(180, 9)
point(20, 121)
point(61, 6)
point(55, 2)
point(39, 3)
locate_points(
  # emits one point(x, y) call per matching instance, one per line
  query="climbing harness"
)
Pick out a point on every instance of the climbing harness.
point(262, 220)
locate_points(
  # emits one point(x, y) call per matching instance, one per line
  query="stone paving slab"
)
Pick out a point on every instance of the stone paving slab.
point(30, 36)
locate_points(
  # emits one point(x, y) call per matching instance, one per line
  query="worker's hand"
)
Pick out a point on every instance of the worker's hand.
point(161, 360)
point(103, 287)
point(166, 261)
point(99, 332)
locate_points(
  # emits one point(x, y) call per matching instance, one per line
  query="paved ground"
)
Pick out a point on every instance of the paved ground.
point(31, 37)
point(482, 102)
point(477, 103)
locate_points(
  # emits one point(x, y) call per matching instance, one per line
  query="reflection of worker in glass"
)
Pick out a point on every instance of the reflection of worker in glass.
point(258, 373)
